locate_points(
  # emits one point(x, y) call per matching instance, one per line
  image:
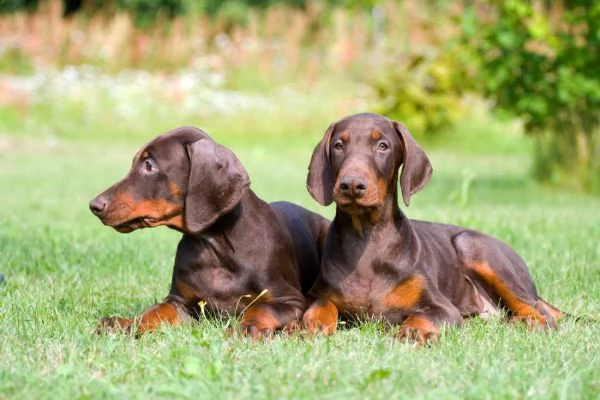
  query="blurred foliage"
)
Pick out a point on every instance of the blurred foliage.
point(13, 61)
point(18, 5)
point(423, 83)
point(423, 89)
point(539, 60)
point(146, 11)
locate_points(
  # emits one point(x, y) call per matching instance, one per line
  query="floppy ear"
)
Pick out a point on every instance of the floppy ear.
point(416, 168)
point(320, 178)
point(216, 183)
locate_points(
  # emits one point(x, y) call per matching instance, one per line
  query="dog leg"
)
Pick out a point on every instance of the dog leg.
point(156, 315)
point(262, 320)
point(321, 316)
point(506, 277)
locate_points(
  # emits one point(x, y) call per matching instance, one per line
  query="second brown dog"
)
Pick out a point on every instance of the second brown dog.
point(237, 253)
point(378, 263)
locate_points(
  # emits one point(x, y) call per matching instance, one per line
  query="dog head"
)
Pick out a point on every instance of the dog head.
point(181, 179)
point(356, 163)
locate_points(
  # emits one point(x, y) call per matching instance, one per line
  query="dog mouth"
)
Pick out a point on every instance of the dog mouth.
point(131, 221)
point(147, 221)
point(350, 203)
point(132, 224)
point(356, 206)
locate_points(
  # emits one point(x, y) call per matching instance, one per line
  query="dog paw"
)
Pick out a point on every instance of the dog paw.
point(317, 327)
point(418, 336)
point(112, 325)
point(255, 332)
point(252, 331)
point(292, 327)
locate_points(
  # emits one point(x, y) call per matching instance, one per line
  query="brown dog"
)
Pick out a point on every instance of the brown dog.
point(237, 252)
point(378, 263)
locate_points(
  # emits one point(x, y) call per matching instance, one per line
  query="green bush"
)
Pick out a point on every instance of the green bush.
point(539, 61)
point(423, 89)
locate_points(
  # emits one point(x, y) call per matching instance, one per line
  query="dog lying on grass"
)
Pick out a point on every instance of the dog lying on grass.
point(237, 252)
point(378, 263)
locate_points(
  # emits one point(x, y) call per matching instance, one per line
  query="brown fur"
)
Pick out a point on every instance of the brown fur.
point(234, 245)
point(421, 275)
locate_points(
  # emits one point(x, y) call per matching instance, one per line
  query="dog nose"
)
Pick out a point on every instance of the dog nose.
point(353, 186)
point(97, 206)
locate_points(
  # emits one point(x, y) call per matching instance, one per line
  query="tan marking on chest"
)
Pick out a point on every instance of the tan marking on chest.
point(406, 294)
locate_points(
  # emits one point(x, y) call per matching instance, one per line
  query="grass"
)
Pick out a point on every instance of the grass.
point(67, 135)
point(64, 270)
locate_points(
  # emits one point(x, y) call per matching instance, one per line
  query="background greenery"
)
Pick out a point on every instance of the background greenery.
point(79, 96)
point(539, 61)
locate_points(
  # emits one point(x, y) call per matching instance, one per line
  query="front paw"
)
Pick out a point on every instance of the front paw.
point(255, 332)
point(321, 317)
point(418, 336)
point(292, 327)
point(315, 326)
point(113, 324)
point(420, 330)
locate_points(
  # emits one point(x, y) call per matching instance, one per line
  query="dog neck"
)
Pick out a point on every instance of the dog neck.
point(234, 226)
point(365, 220)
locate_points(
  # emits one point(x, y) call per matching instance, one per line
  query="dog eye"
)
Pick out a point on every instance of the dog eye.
point(338, 145)
point(149, 165)
point(382, 146)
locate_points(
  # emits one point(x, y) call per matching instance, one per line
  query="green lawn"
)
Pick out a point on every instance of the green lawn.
point(64, 270)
